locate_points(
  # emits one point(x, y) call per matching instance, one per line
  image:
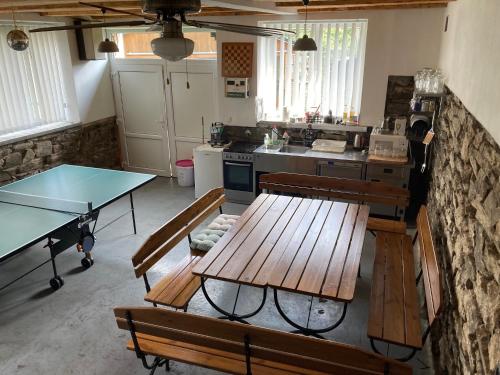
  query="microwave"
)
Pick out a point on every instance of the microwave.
point(387, 144)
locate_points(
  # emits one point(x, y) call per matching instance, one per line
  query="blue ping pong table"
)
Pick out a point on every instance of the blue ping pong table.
point(60, 205)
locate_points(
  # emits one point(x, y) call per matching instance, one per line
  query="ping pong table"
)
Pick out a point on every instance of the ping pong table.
point(60, 205)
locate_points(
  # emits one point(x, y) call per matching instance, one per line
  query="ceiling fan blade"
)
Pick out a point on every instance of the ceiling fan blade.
point(90, 26)
point(102, 7)
point(242, 29)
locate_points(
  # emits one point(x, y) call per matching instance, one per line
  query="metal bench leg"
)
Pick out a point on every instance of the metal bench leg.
point(402, 359)
point(157, 362)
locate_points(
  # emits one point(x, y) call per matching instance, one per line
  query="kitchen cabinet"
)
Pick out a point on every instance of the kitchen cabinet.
point(393, 175)
point(340, 169)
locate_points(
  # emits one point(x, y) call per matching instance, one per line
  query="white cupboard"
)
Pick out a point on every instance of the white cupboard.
point(160, 119)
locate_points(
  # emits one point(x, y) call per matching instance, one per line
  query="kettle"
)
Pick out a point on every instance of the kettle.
point(358, 142)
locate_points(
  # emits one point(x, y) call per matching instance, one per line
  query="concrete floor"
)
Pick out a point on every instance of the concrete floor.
point(73, 331)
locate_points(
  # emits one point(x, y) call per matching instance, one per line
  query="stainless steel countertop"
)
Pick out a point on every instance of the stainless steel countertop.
point(348, 155)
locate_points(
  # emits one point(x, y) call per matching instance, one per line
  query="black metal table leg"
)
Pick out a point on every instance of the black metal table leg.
point(232, 316)
point(132, 210)
point(306, 330)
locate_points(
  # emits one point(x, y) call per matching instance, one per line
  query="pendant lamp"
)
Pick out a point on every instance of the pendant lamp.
point(305, 43)
point(107, 46)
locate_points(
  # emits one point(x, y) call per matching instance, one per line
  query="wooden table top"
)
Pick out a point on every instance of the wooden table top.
point(301, 245)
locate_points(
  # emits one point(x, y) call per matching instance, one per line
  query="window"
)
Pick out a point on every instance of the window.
point(137, 44)
point(330, 78)
point(33, 88)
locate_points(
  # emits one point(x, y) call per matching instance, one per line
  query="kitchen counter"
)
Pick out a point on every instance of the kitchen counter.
point(348, 155)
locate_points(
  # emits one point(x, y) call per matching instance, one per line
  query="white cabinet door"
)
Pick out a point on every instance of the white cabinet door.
point(188, 107)
point(143, 118)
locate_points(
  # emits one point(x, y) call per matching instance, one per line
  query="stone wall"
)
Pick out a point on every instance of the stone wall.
point(464, 201)
point(95, 144)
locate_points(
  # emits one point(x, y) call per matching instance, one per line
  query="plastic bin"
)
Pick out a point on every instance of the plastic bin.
point(185, 172)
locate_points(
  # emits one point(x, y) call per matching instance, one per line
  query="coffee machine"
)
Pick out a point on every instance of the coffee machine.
point(217, 134)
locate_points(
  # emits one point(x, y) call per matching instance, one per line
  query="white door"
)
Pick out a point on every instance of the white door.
point(143, 119)
point(188, 107)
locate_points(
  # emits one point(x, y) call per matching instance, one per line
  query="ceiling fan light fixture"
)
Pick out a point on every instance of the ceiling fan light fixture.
point(305, 44)
point(108, 46)
point(172, 49)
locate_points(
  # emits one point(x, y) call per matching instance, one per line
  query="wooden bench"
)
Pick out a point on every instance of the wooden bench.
point(394, 304)
point(239, 348)
point(342, 188)
point(177, 287)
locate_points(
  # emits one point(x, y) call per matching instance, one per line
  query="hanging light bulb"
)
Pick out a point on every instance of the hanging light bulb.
point(107, 46)
point(17, 39)
point(305, 43)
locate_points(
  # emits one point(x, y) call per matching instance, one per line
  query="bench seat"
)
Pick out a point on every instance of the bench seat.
point(211, 358)
point(178, 287)
point(394, 307)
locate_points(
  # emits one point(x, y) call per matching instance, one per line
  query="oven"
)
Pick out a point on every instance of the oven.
point(238, 177)
point(238, 181)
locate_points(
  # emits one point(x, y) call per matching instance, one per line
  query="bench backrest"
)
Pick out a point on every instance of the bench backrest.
point(266, 344)
point(429, 264)
point(171, 233)
point(332, 187)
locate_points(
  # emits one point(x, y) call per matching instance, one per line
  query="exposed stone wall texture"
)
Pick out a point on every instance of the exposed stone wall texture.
point(95, 145)
point(464, 206)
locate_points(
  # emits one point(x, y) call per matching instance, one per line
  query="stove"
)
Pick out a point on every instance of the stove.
point(239, 175)
point(240, 151)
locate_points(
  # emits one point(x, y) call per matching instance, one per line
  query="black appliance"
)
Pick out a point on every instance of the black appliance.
point(238, 161)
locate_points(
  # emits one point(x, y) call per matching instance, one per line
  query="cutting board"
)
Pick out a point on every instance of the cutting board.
point(387, 159)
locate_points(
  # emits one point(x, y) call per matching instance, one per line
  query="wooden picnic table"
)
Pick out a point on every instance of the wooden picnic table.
point(300, 245)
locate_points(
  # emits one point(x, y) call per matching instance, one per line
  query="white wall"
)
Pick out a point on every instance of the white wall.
point(399, 42)
point(94, 90)
point(470, 58)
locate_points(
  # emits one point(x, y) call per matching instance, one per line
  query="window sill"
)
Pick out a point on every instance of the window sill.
point(36, 132)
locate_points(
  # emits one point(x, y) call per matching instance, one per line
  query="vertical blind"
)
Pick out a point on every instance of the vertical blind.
point(330, 78)
point(32, 83)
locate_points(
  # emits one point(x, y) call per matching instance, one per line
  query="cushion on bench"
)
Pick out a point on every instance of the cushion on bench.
point(209, 236)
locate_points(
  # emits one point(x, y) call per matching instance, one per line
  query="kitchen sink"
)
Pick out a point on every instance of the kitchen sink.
point(292, 149)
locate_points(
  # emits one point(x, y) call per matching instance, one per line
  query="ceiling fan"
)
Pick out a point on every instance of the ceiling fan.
point(168, 16)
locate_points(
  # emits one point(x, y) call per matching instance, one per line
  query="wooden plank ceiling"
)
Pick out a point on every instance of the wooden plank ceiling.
point(71, 8)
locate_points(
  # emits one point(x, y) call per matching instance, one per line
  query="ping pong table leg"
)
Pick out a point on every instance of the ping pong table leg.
point(57, 281)
point(133, 213)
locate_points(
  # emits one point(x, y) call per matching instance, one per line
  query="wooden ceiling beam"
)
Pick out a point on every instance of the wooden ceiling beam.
point(377, 7)
point(354, 3)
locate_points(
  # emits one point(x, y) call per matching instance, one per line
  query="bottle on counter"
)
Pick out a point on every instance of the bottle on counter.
point(274, 135)
point(267, 140)
point(345, 115)
point(286, 138)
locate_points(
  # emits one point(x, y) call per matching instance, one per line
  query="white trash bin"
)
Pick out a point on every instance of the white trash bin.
point(185, 172)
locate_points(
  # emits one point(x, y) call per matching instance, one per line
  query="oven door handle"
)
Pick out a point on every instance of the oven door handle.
point(238, 165)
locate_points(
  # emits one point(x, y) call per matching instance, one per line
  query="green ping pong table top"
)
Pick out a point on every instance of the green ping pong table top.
point(22, 226)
